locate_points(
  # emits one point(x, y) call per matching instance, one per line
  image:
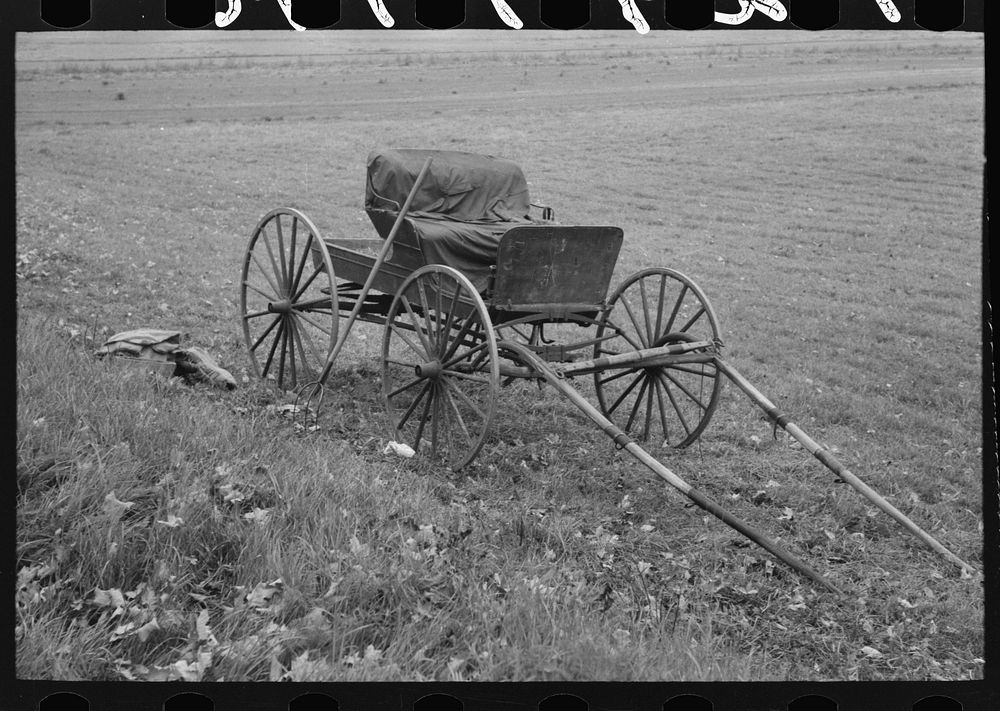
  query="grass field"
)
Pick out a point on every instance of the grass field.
point(824, 190)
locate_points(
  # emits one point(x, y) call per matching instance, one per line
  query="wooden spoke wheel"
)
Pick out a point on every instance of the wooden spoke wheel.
point(440, 369)
point(661, 404)
point(288, 299)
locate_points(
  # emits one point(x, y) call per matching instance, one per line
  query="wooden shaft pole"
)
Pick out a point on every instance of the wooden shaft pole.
point(639, 358)
point(834, 465)
point(623, 441)
point(379, 260)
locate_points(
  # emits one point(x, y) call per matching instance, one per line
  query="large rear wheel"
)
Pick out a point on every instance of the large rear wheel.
point(288, 299)
point(669, 404)
point(440, 369)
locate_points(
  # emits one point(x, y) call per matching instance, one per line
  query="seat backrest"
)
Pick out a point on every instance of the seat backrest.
point(406, 250)
point(555, 268)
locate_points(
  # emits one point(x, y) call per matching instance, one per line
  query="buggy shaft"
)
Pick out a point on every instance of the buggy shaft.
point(834, 465)
point(623, 441)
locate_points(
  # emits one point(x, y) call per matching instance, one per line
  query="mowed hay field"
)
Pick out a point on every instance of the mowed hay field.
point(824, 190)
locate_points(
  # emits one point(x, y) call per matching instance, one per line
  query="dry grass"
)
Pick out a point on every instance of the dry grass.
point(838, 241)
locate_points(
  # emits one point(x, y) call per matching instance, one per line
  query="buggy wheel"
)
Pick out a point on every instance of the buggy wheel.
point(669, 404)
point(440, 369)
point(288, 299)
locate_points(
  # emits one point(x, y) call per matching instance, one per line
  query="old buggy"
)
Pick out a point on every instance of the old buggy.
point(466, 275)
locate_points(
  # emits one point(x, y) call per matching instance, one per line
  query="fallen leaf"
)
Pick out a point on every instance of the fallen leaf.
point(125, 669)
point(34, 572)
point(871, 653)
point(172, 521)
point(204, 631)
point(277, 671)
point(122, 631)
point(258, 515)
point(351, 659)
point(161, 674)
point(190, 671)
point(357, 547)
point(133, 594)
point(108, 598)
point(115, 508)
point(144, 632)
point(231, 494)
point(264, 594)
point(304, 669)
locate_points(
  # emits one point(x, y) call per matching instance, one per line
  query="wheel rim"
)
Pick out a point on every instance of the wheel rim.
point(288, 300)
point(440, 370)
point(669, 404)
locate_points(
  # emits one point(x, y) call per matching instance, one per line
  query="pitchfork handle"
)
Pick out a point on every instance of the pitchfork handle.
point(379, 260)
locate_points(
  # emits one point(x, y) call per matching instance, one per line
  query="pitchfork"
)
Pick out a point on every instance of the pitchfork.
point(310, 396)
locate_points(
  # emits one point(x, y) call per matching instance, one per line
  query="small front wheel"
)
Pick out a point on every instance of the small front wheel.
point(671, 404)
point(440, 368)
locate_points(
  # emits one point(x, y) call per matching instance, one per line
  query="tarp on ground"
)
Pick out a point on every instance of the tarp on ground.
point(464, 205)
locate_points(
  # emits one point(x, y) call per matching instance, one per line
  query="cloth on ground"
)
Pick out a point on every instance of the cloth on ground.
point(162, 352)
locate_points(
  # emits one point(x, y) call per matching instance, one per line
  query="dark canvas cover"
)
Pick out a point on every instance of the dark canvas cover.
point(464, 205)
point(460, 186)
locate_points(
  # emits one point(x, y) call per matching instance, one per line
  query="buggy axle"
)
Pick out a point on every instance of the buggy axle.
point(663, 356)
point(643, 358)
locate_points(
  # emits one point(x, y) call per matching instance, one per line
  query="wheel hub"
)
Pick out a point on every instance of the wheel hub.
point(280, 307)
point(431, 369)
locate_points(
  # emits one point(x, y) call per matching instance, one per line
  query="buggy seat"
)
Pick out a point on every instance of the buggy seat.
point(463, 207)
